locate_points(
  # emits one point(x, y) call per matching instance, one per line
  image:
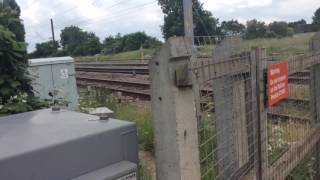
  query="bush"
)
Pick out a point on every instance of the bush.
point(15, 90)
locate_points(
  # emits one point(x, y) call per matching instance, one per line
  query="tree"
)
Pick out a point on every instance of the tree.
point(78, 42)
point(278, 29)
point(232, 27)
point(15, 90)
point(10, 18)
point(298, 26)
point(316, 17)
point(129, 42)
point(255, 29)
point(91, 45)
point(71, 37)
point(136, 40)
point(205, 23)
point(112, 44)
point(46, 49)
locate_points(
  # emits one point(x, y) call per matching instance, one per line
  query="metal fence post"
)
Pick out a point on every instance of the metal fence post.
point(260, 56)
point(174, 112)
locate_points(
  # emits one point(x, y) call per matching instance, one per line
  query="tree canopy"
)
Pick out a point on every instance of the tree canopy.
point(10, 18)
point(129, 42)
point(46, 49)
point(316, 17)
point(205, 24)
point(255, 29)
point(298, 26)
point(15, 90)
point(232, 27)
point(279, 29)
point(78, 42)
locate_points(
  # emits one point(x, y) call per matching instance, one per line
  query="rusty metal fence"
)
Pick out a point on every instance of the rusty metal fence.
point(239, 136)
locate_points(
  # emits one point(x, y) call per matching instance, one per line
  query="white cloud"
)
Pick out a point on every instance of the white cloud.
point(108, 17)
point(232, 4)
point(264, 10)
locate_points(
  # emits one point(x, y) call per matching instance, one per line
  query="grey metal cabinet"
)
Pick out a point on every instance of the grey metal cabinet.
point(67, 145)
point(55, 76)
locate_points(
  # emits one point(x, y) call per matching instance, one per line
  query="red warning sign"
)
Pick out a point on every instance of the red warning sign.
point(278, 87)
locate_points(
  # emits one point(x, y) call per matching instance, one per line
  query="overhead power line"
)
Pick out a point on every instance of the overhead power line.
point(116, 14)
point(62, 14)
point(98, 20)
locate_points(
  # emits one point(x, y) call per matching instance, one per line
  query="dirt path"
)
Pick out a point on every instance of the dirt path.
point(149, 163)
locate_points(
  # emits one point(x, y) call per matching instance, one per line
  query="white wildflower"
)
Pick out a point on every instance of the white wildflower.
point(24, 95)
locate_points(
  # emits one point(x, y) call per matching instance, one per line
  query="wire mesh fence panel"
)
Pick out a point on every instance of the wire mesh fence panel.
point(228, 80)
point(227, 131)
point(292, 124)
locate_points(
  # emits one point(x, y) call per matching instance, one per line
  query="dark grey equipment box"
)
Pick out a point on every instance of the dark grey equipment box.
point(46, 145)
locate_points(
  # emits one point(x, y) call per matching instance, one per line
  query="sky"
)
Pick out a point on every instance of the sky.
point(109, 17)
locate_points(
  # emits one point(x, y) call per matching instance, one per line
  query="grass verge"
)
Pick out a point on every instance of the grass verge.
point(148, 53)
point(139, 113)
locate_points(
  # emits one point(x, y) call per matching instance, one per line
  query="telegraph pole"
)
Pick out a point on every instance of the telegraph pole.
point(188, 19)
point(52, 30)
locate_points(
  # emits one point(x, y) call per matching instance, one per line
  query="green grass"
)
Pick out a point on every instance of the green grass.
point(144, 174)
point(148, 53)
point(138, 113)
point(304, 171)
point(143, 118)
point(299, 43)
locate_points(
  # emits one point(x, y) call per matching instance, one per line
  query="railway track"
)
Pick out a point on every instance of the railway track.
point(115, 69)
point(282, 117)
point(132, 79)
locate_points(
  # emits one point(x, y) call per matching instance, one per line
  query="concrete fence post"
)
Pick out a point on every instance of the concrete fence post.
point(260, 64)
point(315, 97)
point(315, 110)
point(174, 112)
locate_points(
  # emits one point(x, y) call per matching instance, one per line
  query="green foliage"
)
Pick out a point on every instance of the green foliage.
point(13, 66)
point(304, 171)
point(140, 114)
point(255, 29)
point(144, 174)
point(298, 26)
point(15, 89)
point(129, 42)
point(46, 49)
point(22, 102)
point(289, 45)
point(232, 27)
point(131, 55)
point(205, 23)
point(278, 29)
point(10, 19)
point(316, 17)
point(290, 32)
point(78, 42)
